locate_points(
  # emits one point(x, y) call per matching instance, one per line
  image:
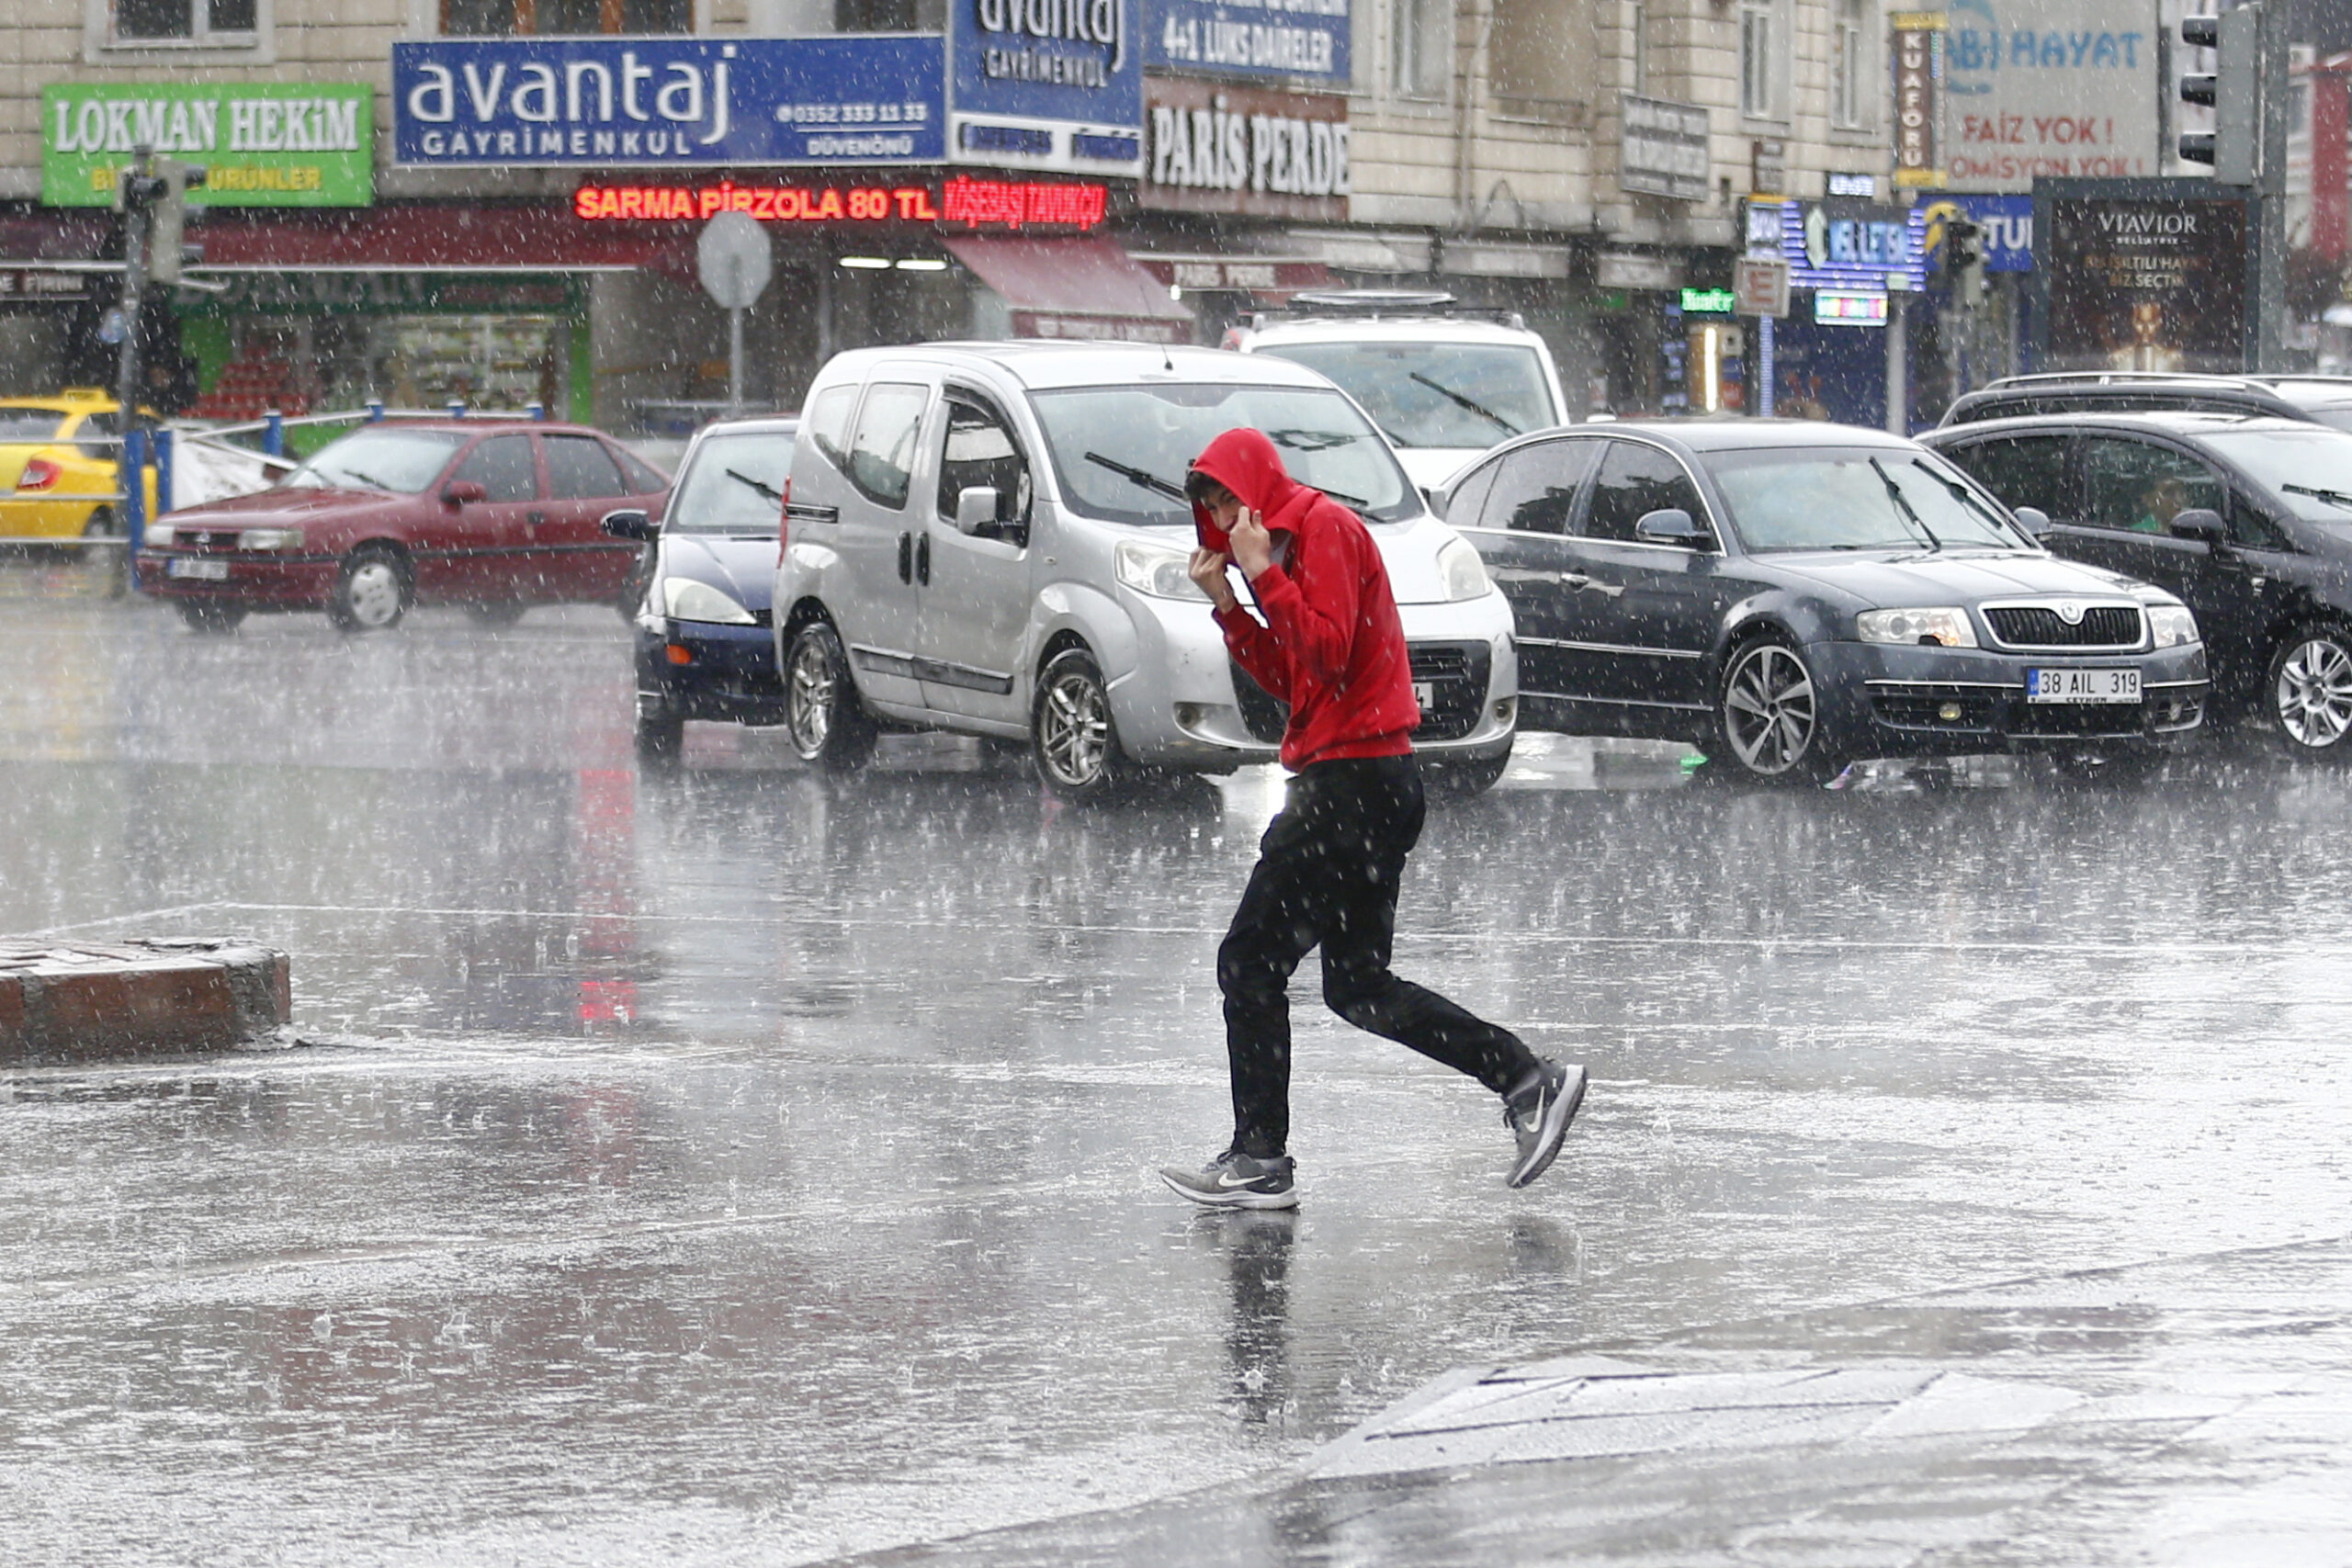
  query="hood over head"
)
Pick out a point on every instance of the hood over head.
point(1245, 462)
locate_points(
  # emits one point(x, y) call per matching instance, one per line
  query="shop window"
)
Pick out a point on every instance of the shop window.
point(882, 452)
point(1420, 47)
point(1636, 480)
point(193, 21)
point(1544, 54)
point(502, 18)
point(1853, 66)
point(578, 468)
point(503, 466)
point(1536, 490)
point(889, 16)
point(978, 450)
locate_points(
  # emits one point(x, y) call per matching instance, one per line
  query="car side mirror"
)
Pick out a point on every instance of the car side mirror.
point(2033, 520)
point(975, 509)
point(2202, 522)
point(458, 492)
point(1668, 526)
point(627, 523)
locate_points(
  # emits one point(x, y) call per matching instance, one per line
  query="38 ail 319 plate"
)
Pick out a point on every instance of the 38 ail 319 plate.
point(2114, 684)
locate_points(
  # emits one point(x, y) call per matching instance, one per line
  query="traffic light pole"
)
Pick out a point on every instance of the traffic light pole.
point(137, 204)
point(2271, 255)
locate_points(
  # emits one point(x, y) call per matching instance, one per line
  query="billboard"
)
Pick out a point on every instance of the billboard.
point(263, 143)
point(2144, 275)
point(1047, 84)
point(678, 101)
point(1251, 38)
point(1231, 149)
point(2065, 88)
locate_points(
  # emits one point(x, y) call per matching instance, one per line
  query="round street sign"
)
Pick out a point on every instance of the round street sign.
point(733, 260)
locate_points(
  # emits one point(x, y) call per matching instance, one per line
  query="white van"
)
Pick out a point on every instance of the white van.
point(1444, 385)
point(992, 539)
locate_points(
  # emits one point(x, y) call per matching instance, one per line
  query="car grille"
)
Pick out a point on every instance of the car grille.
point(1457, 673)
point(205, 539)
point(2040, 626)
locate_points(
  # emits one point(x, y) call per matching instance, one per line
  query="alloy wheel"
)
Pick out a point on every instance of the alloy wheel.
point(2314, 693)
point(1768, 713)
point(1074, 729)
point(808, 696)
point(373, 594)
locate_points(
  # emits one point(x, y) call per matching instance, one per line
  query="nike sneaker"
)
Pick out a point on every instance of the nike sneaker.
point(1234, 1180)
point(1539, 1114)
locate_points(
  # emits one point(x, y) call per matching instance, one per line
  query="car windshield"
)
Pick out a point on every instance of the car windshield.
point(30, 424)
point(381, 458)
point(2308, 468)
point(735, 485)
point(1436, 394)
point(1119, 450)
point(1861, 498)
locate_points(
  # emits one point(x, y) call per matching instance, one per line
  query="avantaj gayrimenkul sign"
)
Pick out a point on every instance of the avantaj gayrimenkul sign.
point(538, 102)
point(1047, 84)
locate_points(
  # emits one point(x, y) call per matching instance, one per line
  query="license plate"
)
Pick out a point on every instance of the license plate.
point(2082, 685)
point(1425, 693)
point(201, 570)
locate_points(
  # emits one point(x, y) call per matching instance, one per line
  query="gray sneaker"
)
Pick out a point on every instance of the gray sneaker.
point(1539, 1115)
point(1234, 1180)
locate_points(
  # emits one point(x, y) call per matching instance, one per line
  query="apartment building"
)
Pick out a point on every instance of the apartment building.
point(498, 201)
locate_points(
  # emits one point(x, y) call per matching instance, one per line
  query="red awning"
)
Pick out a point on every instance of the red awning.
point(1073, 289)
point(439, 239)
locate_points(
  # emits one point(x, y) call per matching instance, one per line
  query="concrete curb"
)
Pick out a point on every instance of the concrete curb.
point(89, 1001)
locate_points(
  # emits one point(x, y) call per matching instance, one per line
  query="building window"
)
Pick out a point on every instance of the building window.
point(1421, 47)
point(1639, 53)
point(523, 18)
point(192, 21)
point(1851, 77)
point(1761, 46)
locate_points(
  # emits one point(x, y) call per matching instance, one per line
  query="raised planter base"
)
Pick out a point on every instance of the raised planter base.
point(90, 1001)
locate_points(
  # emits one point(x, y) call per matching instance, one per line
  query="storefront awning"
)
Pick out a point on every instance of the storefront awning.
point(1261, 277)
point(1074, 288)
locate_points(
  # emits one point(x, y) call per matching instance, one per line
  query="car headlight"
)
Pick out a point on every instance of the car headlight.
point(157, 534)
point(1946, 626)
point(2171, 625)
point(269, 538)
point(1461, 572)
point(683, 599)
point(1158, 570)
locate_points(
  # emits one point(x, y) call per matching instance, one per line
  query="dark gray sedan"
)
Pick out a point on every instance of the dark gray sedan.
point(1787, 596)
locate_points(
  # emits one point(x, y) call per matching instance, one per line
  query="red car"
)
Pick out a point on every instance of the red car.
point(496, 515)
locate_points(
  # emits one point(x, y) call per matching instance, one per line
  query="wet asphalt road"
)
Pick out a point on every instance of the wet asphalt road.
point(722, 1167)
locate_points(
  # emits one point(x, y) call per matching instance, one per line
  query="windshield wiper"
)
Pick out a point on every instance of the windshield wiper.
point(1894, 493)
point(766, 490)
point(1139, 478)
point(2321, 492)
point(1481, 410)
point(370, 480)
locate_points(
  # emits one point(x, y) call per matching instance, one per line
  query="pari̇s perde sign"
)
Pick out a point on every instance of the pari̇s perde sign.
point(1218, 149)
point(262, 145)
point(527, 103)
point(1047, 84)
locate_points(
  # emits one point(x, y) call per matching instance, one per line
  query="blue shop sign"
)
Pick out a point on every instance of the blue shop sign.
point(1844, 244)
point(1047, 84)
point(523, 103)
point(1251, 38)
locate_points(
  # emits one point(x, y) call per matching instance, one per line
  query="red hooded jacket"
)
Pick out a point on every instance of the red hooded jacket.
point(1333, 645)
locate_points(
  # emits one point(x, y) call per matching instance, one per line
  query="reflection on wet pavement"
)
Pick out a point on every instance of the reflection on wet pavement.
point(726, 1166)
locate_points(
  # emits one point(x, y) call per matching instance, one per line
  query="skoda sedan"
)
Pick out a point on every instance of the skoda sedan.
point(1789, 596)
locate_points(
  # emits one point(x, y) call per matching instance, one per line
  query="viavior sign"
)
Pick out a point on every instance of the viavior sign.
point(526, 103)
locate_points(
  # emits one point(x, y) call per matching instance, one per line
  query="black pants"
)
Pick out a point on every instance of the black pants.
point(1328, 873)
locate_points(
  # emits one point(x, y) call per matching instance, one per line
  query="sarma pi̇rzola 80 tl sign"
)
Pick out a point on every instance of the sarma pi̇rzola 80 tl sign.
point(522, 103)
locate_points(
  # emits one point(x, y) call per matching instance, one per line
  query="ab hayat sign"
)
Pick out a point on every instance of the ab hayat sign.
point(2054, 87)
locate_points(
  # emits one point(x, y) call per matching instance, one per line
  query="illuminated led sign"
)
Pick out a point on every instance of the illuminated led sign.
point(958, 203)
point(1708, 301)
point(1848, 308)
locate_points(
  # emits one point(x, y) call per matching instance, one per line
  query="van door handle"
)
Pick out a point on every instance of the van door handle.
point(922, 561)
point(1575, 579)
point(535, 518)
point(905, 557)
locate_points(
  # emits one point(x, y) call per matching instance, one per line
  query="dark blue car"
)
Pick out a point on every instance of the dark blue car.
point(704, 650)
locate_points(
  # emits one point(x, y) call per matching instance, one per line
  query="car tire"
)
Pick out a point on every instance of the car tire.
point(661, 732)
point(212, 620)
point(823, 715)
point(2307, 691)
point(372, 591)
point(1767, 715)
point(1072, 738)
point(1466, 779)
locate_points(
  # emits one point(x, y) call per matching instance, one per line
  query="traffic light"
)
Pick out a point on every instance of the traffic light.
point(166, 251)
point(2232, 91)
point(1964, 258)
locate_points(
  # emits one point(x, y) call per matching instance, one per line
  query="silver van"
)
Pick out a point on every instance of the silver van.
point(992, 539)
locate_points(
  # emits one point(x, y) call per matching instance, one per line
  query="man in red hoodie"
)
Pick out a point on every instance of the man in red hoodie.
point(1328, 868)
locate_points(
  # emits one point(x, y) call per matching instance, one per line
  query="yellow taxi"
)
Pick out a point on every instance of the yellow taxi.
point(53, 450)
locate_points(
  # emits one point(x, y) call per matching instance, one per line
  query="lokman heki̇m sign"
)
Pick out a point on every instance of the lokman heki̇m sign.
point(264, 144)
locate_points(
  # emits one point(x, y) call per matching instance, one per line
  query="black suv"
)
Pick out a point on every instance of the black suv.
point(2322, 399)
point(2248, 518)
